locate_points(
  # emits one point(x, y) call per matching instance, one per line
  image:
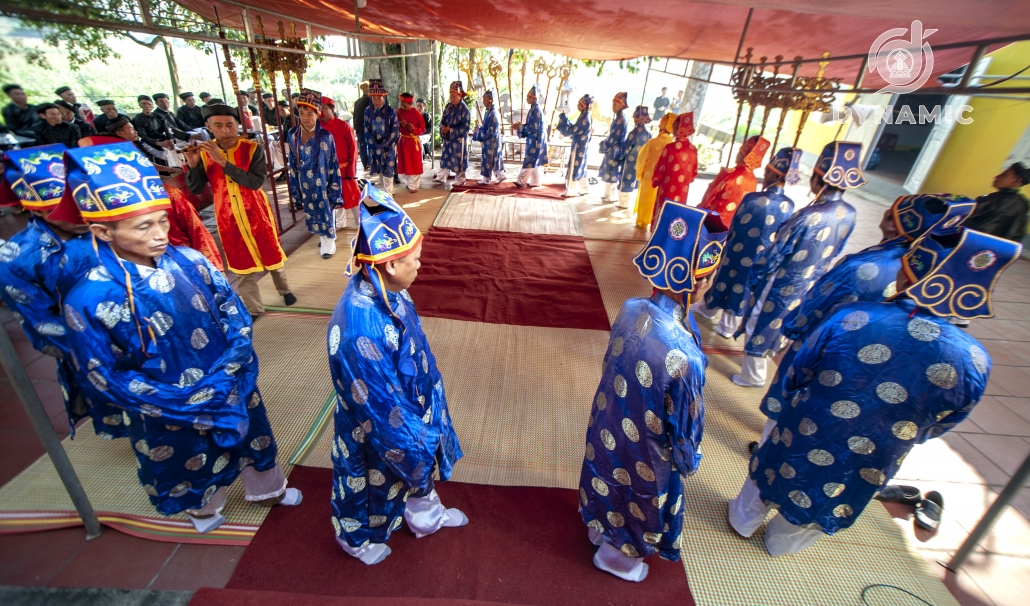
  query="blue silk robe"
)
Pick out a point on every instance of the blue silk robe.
point(37, 271)
point(382, 131)
point(392, 422)
point(536, 141)
point(580, 133)
point(753, 230)
point(454, 155)
point(315, 178)
point(804, 249)
point(612, 148)
point(645, 429)
point(872, 381)
point(189, 388)
point(489, 134)
point(628, 156)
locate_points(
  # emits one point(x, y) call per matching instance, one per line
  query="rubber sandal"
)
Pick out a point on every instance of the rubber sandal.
point(752, 447)
point(928, 512)
point(908, 495)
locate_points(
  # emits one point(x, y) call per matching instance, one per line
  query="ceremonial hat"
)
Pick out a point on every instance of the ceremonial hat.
point(754, 149)
point(143, 98)
point(117, 124)
point(621, 97)
point(104, 102)
point(488, 94)
point(838, 165)
point(784, 164)
point(160, 96)
point(953, 272)
point(387, 232)
point(60, 91)
point(109, 183)
point(533, 90)
point(376, 88)
point(328, 101)
point(914, 215)
point(218, 109)
point(666, 123)
point(36, 175)
point(185, 96)
point(641, 112)
point(456, 87)
point(407, 97)
point(686, 245)
point(586, 100)
point(310, 98)
point(684, 126)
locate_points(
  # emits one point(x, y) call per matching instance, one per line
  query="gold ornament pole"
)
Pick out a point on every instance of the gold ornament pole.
point(752, 97)
point(769, 97)
point(565, 71)
point(466, 66)
point(740, 76)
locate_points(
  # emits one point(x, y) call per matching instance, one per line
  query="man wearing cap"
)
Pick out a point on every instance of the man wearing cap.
point(532, 131)
point(69, 116)
point(454, 128)
point(728, 188)
point(19, 116)
point(646, 421)
point(1003, 213)
point(872, 381)
point(393, 429)
point(634, 144)
point(109, 113)
point(677, 167)
point(124, 129)
point(409, 147)
point(189, 114)
point(647, 160)
point(53, 128)
point(489, 135)
point(347, 156)
point(165, 338)
point(611, 147)
point(381, 134)
point(804, 248)
point(151, 128)
point(579, 132)
point(752, 232)
point(236, 169)
point(315, 172)
point(82, 112)
point(164, 111)
point(286, 117)
point(205, 98)
point(268, 110)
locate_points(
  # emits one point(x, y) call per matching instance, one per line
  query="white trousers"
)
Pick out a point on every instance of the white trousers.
point(340, 218)
point(576, 187)
point(747, 512)
point(611, 192)
point(445, 173)
point(326, 245)
point(611, 560)
point(413, 182)
point(625, 197)
point(754, 369)
point(529, 176)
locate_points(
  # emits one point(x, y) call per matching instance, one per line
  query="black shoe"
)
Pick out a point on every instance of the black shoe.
point(324, 256)
point(752, 447)
point(517, 184)
point(289, 299)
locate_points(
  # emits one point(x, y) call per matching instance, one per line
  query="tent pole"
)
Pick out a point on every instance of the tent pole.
point(647, 75)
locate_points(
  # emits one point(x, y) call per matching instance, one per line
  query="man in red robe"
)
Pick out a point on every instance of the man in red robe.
point(346, 154)
point(731, 185)
point(409, 148)
point(677, 166)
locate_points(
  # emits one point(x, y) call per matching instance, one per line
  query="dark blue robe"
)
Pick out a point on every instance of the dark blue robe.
point(580, 134)
point(630, 150)
point(536, 141)
point(489, 134)
point(315, 178)
point(612, 148)
point(382, 131)
point(455, 156)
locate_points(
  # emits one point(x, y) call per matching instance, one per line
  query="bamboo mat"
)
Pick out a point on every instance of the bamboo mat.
point(606, 221)
point(316, 282)
point(509, 213)
point(295, 385)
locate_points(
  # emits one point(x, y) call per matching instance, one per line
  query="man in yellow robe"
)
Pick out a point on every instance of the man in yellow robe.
point(646, 161)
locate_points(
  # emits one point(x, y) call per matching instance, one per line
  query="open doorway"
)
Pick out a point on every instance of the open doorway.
point(897, 148)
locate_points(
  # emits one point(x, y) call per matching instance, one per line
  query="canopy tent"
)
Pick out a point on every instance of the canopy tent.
point(622, 29)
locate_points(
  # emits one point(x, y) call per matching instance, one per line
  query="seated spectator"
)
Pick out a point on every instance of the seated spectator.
point(124, 129)
point(19, 116)
point(109, 113)
point(53, 129)
point(70, 117)
point(1003, 213)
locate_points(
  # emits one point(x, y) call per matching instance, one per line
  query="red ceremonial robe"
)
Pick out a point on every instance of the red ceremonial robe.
point(731, 185)
point(347, 155)
point(675, 171)
point(244, 218)
point(186, 229)
point(409, 148)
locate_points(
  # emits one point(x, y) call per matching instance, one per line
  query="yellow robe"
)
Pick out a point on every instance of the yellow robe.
point(646, 161)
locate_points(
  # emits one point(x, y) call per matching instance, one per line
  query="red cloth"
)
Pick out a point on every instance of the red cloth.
point(675, 171)
point(347, 155)
point(7, 197)
point(186, 228)
point(409, 148)
point(209, 596)
point(252, 245)
point(246, 119)
point(522, 545)
point(508, 278)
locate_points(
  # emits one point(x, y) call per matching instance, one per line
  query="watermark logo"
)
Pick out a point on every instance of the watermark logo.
point(905, 65)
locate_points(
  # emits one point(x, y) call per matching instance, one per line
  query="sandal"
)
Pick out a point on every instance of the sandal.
point(928, 512)
point(908, 495)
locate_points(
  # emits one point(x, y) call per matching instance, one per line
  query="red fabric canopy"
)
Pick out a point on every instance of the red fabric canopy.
point(621, 29)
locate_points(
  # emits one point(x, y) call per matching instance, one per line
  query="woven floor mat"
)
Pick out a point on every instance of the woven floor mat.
point(509, 213)
point(606, 221)
point(295, 385)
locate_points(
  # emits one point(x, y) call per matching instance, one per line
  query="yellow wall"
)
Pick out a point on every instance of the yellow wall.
point(974, 152)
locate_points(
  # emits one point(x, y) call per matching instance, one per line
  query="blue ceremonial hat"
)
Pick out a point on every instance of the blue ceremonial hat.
point(112, 182)
point(785, 164)
point(533, 90)
point(838, 165)
point(686, 245)
point(641, 112)
point(376, 88)
point(311, 98)
point(36, 175)
point(456, 87)
point(387, 232)
point(489, 94)
point(914, 215)
point(587, 100)
point(953, 271)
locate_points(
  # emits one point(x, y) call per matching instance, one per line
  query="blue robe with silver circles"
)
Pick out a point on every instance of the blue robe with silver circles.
point(392, 422)
point(189, 388)
point(753, 230)
point(536, 143)
point(455, 156)
point(645, 429)
point(611, 147)
point(630, 150)
point(382, 131)
point(580, 134)
point(315, 178)
point(489, 134)
point(872, 381)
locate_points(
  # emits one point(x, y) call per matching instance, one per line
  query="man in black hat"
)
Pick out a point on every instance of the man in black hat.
point(122, 127)
point(205, 97)
point(54, 129)
point(286, 115)
point(268, 110)
point(1003, 213)
point(164, 111)
point(70, 117)
point(19, 116)
point(109, 114)
point(68, 95)
point(189, 113)
point(151, 128)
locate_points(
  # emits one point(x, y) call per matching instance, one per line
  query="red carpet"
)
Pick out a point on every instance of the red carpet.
point(207, 596)
point(508, 188)
point(508, 278)
point(521, 546)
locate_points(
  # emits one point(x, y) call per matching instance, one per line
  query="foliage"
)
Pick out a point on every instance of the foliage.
point(708, 154)
point(9, 50)
point(629, 65)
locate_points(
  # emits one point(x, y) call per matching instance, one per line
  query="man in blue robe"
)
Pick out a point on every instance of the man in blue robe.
point(454, 129)
point(381, 131)
point(532, 131)
point(579, 132)
point(612, 148)
point(159, 331)
point(753, 230)
point(315, 180)
point(804, 248)
point(392, 423)
point(489, 134)
point(628, 157)
point(873, 380)
point(647, 418)
point(38, 268)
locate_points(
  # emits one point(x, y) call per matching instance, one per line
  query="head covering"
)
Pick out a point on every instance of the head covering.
point(686, 245)
point(838, 165)
point(36, 175)
point(160, 96)
point(533, 91)
point(406, 97)
point(42, 107)
point(60, 91)
point(915, 215)
point(684, 126)
point(104, 102)
point(665, 125)
point(953, 272)
point(310, 98)
point(117, 124)
point(284, 103)
point(185, 96)
point(65, 105)
point(456, 87)
point(488, 94)
point(784, 166)
point(202, 95)
point(642, 112)
point(376, 88)
point(1022, 171)
point(111, 182)
point(213, 101)
point(621, 98)
point(387, 232)
point(267, 95)
point(754, 149)
point(420, 100)
point(218, 109)
point(144, 98)
point(587, 100)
